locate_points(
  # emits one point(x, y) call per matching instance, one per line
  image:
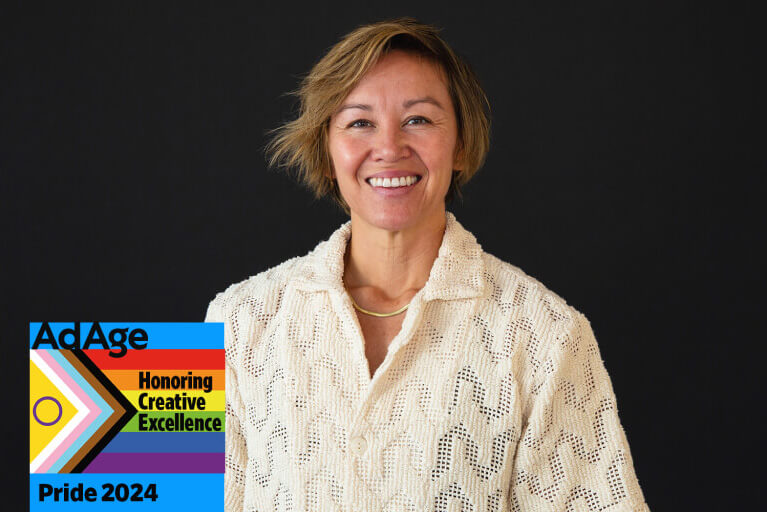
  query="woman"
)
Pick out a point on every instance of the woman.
point(397, 366)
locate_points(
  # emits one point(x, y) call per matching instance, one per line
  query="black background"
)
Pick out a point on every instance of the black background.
point(624, 173)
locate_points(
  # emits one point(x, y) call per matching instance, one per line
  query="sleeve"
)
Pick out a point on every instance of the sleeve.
point(236, 458)
point(573, 453)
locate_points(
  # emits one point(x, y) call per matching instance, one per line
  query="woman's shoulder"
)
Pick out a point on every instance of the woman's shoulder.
point(259, 293)
point(559, 331)
point(506, 286)
point(249, 306)
point(510, 286)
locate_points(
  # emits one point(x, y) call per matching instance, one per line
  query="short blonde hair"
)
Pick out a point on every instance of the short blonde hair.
point(302, 144)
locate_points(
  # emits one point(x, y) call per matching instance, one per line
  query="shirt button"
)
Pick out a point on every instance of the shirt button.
point(358, 445)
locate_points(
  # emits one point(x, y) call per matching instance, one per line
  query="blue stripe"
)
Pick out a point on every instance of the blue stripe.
point(166, 442)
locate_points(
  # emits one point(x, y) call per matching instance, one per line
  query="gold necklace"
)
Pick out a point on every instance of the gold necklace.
point(373, 313)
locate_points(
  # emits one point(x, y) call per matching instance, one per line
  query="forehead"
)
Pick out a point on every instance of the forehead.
point(399, 74)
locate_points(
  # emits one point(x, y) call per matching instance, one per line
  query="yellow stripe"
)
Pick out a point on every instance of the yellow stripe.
point(214, 401)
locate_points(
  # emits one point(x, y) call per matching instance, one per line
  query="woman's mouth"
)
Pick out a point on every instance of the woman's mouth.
point(402, 181)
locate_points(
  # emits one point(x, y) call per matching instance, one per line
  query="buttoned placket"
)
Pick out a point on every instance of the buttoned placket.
point(360, 441)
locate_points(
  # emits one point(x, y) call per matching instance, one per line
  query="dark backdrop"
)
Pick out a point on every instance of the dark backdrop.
point(624, 174)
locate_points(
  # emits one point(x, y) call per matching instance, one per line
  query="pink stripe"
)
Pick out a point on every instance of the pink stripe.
point(93, 411)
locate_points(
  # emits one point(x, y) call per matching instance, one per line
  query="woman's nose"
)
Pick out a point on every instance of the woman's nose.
point(390, 144)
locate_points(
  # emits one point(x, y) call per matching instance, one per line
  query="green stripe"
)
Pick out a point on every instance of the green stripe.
point(132, 425)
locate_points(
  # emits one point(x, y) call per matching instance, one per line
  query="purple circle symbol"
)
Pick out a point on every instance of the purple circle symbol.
point(41, 422)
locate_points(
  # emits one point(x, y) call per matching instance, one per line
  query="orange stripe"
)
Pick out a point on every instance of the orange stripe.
point(128, 379)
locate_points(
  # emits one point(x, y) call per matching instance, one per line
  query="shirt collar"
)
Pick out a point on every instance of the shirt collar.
point(457, 273)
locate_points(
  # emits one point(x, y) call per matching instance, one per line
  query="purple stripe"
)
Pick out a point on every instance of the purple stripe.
point(157, 463)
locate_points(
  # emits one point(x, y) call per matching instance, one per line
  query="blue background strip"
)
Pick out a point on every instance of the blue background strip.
point(162, 335)
point(175, 492)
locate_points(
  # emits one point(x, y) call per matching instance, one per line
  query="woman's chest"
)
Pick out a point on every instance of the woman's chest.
point(441, 415)
point(442, 399)
point(439, 363)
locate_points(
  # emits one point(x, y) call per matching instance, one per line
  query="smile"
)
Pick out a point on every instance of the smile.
point(403, 181)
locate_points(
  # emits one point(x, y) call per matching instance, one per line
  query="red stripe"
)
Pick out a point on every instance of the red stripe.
point(193, 359)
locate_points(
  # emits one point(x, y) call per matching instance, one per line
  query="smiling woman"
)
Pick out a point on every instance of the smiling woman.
point(398, 122)
point(398, 366)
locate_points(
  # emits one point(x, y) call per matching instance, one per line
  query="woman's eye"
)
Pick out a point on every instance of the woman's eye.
point(417, 120)
point(360, 123)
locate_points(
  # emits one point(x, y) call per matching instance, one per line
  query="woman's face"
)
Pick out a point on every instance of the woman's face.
point(393, 143)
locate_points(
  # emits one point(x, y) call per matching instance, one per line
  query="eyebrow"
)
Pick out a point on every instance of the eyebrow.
point(407, 104)
point(425, 99)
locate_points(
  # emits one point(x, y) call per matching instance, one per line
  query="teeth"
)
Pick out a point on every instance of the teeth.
point(404, 181)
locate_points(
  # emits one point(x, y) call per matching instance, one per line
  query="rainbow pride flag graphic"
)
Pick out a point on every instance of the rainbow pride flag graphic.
point(126, 416)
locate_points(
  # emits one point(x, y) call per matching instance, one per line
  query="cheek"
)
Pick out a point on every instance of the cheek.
point(347, 154)
point(439, 154)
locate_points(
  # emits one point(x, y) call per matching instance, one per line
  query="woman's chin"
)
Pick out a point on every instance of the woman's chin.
point(395, 219)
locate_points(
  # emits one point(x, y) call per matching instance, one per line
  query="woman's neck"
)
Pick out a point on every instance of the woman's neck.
point(392, 262)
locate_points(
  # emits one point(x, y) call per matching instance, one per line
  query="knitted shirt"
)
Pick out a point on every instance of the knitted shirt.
point(492, 397)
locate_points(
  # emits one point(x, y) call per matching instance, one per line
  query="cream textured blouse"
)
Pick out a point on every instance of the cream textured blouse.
point(492, 397)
